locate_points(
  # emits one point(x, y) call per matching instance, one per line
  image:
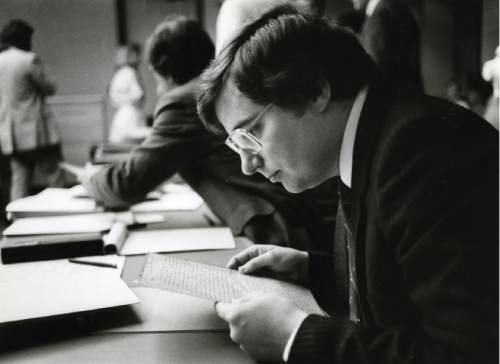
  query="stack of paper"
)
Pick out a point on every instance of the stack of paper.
point(75, 200)
point(175, 240)
point(177, 201)
point(51, 201)
point(56, 287)
point(72, 224)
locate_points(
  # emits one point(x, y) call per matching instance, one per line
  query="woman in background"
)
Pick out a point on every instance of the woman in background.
point(127, 95)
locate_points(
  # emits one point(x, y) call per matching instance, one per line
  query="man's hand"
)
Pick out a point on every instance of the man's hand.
point(274, 261)
point(88, 171)
point(261, 323)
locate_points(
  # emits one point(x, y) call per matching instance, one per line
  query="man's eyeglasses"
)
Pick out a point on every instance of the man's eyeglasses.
point(241, 140)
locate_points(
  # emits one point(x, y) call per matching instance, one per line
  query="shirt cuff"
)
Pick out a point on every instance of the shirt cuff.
point(288, 347)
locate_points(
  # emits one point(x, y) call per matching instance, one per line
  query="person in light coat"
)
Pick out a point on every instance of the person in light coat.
point(28, 135)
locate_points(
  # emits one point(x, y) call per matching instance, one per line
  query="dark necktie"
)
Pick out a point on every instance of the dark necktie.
point(345, 206)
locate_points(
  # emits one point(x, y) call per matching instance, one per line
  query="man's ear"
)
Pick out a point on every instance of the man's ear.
point(322, 100)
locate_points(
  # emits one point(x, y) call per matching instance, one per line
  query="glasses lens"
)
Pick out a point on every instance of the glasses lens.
point(232, 145)
point(246, 141)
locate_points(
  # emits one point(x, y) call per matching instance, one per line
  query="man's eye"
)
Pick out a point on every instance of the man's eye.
point(255, 130)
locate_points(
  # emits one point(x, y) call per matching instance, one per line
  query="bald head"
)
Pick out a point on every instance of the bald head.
point(233, 14)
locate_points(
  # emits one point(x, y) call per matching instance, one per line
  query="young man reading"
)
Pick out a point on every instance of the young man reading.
point(414, 271)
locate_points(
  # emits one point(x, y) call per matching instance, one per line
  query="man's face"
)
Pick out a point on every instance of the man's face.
point(295, 150)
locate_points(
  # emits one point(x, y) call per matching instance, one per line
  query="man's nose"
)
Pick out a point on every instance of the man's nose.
point(250, 162)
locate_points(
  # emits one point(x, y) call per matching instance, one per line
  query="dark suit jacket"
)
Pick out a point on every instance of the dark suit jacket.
point(251, 205)
point(424, 221)
point(391, 36)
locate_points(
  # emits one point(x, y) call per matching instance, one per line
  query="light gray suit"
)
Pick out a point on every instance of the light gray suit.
point(27, 133)
point(24, 122)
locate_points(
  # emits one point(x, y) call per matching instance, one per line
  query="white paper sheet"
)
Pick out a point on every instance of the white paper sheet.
point(52, 200)
point(55, 287)
point(72, 224)
point(179, 201)
point(174, 240)
point(75, 200)
point(216, 283)
point(80, 192)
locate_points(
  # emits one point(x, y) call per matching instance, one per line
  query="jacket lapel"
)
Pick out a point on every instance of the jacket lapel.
point(367, 134)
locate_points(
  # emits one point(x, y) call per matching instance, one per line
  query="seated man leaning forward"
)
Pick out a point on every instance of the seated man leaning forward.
point(177, 52)
point(414, 274)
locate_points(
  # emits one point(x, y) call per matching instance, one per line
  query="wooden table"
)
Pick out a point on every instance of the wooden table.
point(72, 340)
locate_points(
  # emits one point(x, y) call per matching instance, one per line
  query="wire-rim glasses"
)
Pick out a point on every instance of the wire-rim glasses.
point(241, 140)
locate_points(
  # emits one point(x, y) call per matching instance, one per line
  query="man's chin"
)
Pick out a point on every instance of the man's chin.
point(302, 184)
point(294, 187)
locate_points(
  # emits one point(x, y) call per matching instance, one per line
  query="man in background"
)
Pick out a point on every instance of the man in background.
point(28, 136)
point(391, 36)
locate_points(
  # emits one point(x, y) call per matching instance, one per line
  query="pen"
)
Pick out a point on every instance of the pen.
point(97, 264)
point(210, 221)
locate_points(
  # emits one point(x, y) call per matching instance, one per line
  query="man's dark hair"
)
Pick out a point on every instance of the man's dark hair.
point(283, 57)
point(17, 33)
point(179, 48)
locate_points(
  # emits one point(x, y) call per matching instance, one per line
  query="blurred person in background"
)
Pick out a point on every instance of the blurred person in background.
point(390, 34)
point(177, 52)
point(28, 134)
point(126, 94)
point(491, 73)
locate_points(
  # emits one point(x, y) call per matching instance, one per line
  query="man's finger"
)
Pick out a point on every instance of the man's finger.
point(244, 256)
point(262, 261)
point(223, 310)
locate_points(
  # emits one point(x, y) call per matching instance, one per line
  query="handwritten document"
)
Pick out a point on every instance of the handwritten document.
point(216, 283)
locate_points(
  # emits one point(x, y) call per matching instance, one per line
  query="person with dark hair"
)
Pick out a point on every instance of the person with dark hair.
point(414, 272)
point(17, 33)
point(178, 51)
point(126, 94)
point(28, 135)
point(390, 34)
point(233, 14)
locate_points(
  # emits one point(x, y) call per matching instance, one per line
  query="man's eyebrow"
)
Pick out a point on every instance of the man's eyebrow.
point(251, 120)
point(244, 123)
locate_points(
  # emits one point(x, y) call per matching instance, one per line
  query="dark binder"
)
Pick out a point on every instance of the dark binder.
point(25, 249)
point(45, 247)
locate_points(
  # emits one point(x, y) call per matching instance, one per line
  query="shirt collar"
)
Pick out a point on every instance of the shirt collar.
point(347, 147)
point(370, 8)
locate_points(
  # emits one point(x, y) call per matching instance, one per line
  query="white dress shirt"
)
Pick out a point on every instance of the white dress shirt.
point(345, 170)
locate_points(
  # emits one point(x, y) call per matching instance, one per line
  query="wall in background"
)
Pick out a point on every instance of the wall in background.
point(77, 38)
point(73, 37)
point(489, 29)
